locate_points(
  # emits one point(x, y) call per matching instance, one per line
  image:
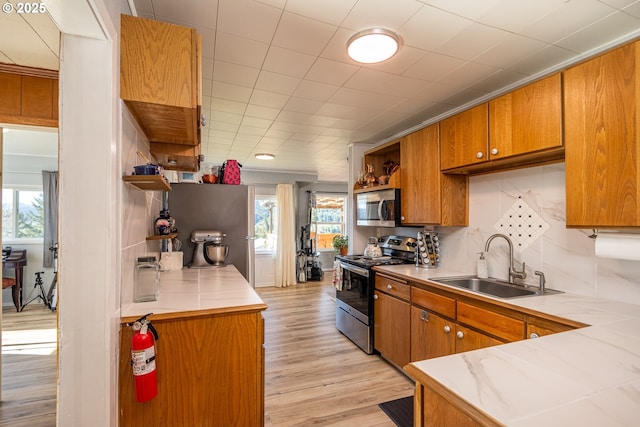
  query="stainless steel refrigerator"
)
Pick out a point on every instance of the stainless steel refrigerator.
point(226, 208)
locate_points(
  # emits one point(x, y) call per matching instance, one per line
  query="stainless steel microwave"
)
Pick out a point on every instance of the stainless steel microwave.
point(378, 208)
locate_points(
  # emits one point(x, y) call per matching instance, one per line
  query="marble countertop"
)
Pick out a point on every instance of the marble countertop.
point(588, 376)
point(212, 290)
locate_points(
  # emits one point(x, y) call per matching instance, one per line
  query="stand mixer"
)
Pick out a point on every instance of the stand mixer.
point(209, 251)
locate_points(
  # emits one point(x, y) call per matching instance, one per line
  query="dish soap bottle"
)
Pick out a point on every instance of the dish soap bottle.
point(483, 269)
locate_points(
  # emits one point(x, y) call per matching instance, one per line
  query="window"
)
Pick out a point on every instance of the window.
point(266, 214)
point(22, 214)
point(328, 219)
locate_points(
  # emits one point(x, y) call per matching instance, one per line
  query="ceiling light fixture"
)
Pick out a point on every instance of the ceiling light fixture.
point(373, 45)
point(265, 156)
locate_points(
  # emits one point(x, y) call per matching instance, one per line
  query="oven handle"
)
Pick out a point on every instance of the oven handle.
point(358, 270)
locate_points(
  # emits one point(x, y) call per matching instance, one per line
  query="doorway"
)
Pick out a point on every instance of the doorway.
point(29, 332)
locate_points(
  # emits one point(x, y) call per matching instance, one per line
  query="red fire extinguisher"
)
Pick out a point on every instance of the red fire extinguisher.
point(143, 358)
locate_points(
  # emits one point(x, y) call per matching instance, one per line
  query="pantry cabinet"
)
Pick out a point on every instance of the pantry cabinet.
point(392, 313)
point(602, 140)
point(428, 196)
point(160, 82)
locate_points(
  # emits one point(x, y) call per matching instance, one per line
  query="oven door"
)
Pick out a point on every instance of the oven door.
point(356, 291)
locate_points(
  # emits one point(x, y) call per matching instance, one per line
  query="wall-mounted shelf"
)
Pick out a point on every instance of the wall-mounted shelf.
point(162, 236)
point(148, 182)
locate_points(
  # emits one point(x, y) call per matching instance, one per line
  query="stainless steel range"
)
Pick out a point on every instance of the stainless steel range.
point(354, 293)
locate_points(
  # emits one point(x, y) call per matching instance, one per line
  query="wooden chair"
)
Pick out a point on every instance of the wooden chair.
point(8, 282)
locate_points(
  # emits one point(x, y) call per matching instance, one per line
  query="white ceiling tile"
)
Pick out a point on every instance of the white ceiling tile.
point(255, 123)
point(331, 72)
point(193, 12)
point(329, 11)
point(277, 83)
point(470, 9)
point(262, 112)
point(302, 105)
point(542, 60)
point(380, 13)
point(633, 10)
point(363, 99)
point(471, 40)
point(268, 99)
point(4, 58)
point(510, 51)
point(384, 83)
point(231, 92)
point(516, 15)
point(468, 74)
point(433, 67)
point(302, 34)
point(431, 27)
point(224, 126)
point(611, 27)
point(555, 26)
point(248, 19)
point(240, 50)
point(288, 62)
point(226, 117)
point(235, 74)
point(228, 106)
point(314, 90)
point(619, 4)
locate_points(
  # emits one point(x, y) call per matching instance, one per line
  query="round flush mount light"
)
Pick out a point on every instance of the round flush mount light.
point(265, 156)
point(373, 45)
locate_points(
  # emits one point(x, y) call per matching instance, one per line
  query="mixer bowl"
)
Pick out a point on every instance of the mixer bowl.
point(216, 254)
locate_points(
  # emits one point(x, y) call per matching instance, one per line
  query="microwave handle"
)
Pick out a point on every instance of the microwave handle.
point(380, 210)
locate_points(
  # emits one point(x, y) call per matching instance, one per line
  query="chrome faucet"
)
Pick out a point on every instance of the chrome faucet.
point(513, 273)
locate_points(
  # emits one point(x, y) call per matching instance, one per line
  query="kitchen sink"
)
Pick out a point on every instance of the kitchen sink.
point(493, 287)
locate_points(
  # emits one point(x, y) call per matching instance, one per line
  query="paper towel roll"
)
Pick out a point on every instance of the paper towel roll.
point(618, 246)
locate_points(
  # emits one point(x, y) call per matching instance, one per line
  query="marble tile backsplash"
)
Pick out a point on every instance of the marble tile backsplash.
point(139, 208)
point(566, 256)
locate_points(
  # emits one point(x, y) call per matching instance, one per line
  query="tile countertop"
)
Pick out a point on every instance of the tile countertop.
point(188, 291)
point(587, 377)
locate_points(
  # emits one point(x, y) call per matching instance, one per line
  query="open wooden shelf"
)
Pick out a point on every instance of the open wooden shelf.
point(162, 236)
point(148, 182)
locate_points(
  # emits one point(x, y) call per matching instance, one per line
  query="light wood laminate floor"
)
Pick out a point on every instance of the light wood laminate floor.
point(28, 367)
point(315, 376)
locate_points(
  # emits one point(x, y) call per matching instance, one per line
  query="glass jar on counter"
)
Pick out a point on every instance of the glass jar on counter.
point(147, 280)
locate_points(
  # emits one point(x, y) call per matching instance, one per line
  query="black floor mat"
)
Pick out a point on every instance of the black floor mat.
point(400, 411)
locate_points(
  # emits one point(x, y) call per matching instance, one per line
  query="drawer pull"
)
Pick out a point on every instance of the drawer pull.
point(460, 334)
point(534, 335)
point(447, 329)
point(389, 287)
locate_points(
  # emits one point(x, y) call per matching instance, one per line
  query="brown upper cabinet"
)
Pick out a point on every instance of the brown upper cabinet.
point(428, 196)
point(160, 81)
point(29, 99)
point(526, 120)
point(519, 128)
point(602, 102)
point(464, 138)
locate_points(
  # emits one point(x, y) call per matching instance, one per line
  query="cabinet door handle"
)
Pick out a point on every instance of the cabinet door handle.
point(424, 315)
point(494, 151)
point(375, 296)
point(389, 287)
point(534, 335)
point(479, 155)
point(460, 334)
point(447, 329)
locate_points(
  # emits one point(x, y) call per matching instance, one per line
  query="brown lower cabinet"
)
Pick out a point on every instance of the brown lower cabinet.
point(210, 372)
point(392, 328)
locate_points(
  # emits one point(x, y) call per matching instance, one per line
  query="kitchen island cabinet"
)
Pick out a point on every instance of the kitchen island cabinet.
point(209, 356)
point(602, 139)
